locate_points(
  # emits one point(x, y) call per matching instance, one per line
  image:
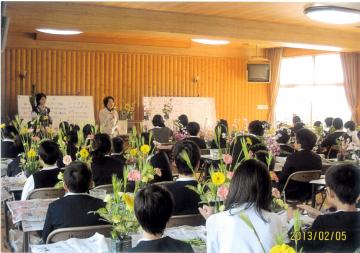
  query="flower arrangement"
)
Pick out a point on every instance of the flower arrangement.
point(129, 109)
point(147, 113)
point(272, 145)
point(119, 211)
point(343, 145)
point(167, 109)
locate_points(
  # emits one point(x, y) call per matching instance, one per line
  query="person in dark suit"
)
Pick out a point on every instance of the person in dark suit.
point(328, 125)
point(256, 131)
point(333, 138)
point(103, 166)
point(303, 159)
point(161, 161)
point(153, 208)
point(74, 209)
point(160, 132)
point(193, 129)
point(118, 149)
point(283, 138)
point(72, 140)
point(8, 148)
point(14, 167)
point(186, 200)
point(48, 176)
point(343, 190)
point(221, 129)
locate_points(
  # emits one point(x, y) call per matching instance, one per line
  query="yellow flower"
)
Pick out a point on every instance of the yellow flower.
point(31, 153)
point(283, 248)
point(24, 130)
point(2, 126)
point(116, 218)
point(248, 141)
point(129, 201)
point(218, 178)
point(145, 149)
point(133, 152)
point(84, 153)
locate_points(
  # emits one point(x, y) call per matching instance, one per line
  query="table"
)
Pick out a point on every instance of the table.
point(314, 183)
point(31, 214)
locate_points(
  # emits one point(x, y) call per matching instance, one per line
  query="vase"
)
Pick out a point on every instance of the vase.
point(121, 244)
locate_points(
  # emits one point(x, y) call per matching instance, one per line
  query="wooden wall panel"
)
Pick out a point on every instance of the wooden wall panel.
point(130, 76)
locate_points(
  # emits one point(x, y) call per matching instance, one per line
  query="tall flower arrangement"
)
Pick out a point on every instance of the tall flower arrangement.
point(167, 109)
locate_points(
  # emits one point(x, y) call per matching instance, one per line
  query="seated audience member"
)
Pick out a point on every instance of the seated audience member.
point(303, 159)
point(283, 137)
point(14, 167)
point(153, 208)
point(46, 177)
point(343, 190)
point(317, 123)
point(8, 148)
point(64, 127)
point(103, 166)
point(88, 133)
point(186, 200)
point(295, 120)
point(193, 129)
point(160, 132)
point(256, 131)
point(161, 162)
point(74, 209)
point(72, 142)
point(351, 132)
point(328, 125)
point(118, 149)
point(184, 121)
point(265, 157)
point(226, 231)
point(332, 139)
point(221, 130)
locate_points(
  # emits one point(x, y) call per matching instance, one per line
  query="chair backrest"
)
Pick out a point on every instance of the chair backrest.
point(333, 148)
point(63, 234)
point(108, 187)
point(304, 176)
point(46, 193)
point(190, 220)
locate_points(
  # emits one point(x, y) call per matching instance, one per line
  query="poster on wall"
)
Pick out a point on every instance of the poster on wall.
point(199, 109)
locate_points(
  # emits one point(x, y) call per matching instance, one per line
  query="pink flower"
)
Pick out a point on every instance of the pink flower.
point(227, 159)
point(222, 192)
point(230, 174)
point(134, 175)
point(67, 160)
point(275, 193)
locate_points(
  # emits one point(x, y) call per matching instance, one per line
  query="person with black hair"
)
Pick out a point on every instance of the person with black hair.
point(298, 126)
point(160, 132)
point(332, 139)
point(76, 208)
point(193, 129)
point(118, 149)
point(153, 208)
point(48, 176)
point(41, 110)
point(263, 156)
point(226, 231)
point(184, 121)
point(108, 116)
point(186, 200)
point(283, 137)
point(160, 160)
point(72, 141)
point(343, 191)
point(351, 132)
point(14, 168)
point(256, 128)
point(302, 160)
point(222, 130)
point(8, 148)
point(328, 124)
point(103, 166)
point(64, 127)
point(317, 123)
point(88, 133)
point(296, 119)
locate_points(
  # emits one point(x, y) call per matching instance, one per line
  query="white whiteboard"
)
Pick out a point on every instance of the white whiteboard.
point(199, 109)
point(74, 109)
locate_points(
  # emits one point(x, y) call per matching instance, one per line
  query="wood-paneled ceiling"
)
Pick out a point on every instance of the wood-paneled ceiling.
point(169, 24)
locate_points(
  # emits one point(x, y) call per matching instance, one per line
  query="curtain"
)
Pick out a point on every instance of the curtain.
point(351, 69)
point(274, 55)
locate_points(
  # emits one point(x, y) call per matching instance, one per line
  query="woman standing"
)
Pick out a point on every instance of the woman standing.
point(41, 111)
point(108, 116)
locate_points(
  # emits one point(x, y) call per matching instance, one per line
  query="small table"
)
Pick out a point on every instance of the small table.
point(314, 183)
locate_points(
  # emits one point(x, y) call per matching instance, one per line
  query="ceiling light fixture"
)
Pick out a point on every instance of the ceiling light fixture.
point(211, 42)
point(333, 14)
point(59, 32)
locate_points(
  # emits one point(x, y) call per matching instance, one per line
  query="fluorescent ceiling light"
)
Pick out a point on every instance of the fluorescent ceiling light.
point(59, 32)
point(211, 42)
point(333, 14)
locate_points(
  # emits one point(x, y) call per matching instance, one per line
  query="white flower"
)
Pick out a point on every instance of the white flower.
point(67, 160)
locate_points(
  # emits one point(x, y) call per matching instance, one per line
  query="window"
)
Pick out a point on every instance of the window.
point(311, 87)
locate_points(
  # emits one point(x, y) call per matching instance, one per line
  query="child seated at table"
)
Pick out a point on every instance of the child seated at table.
point(193, 129)
point(75, 208)
point(153, 208)
point(338, 231)
point(46, 177)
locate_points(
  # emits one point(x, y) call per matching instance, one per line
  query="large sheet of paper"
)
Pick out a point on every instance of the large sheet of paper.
point(75, 109)
point(199, 109)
